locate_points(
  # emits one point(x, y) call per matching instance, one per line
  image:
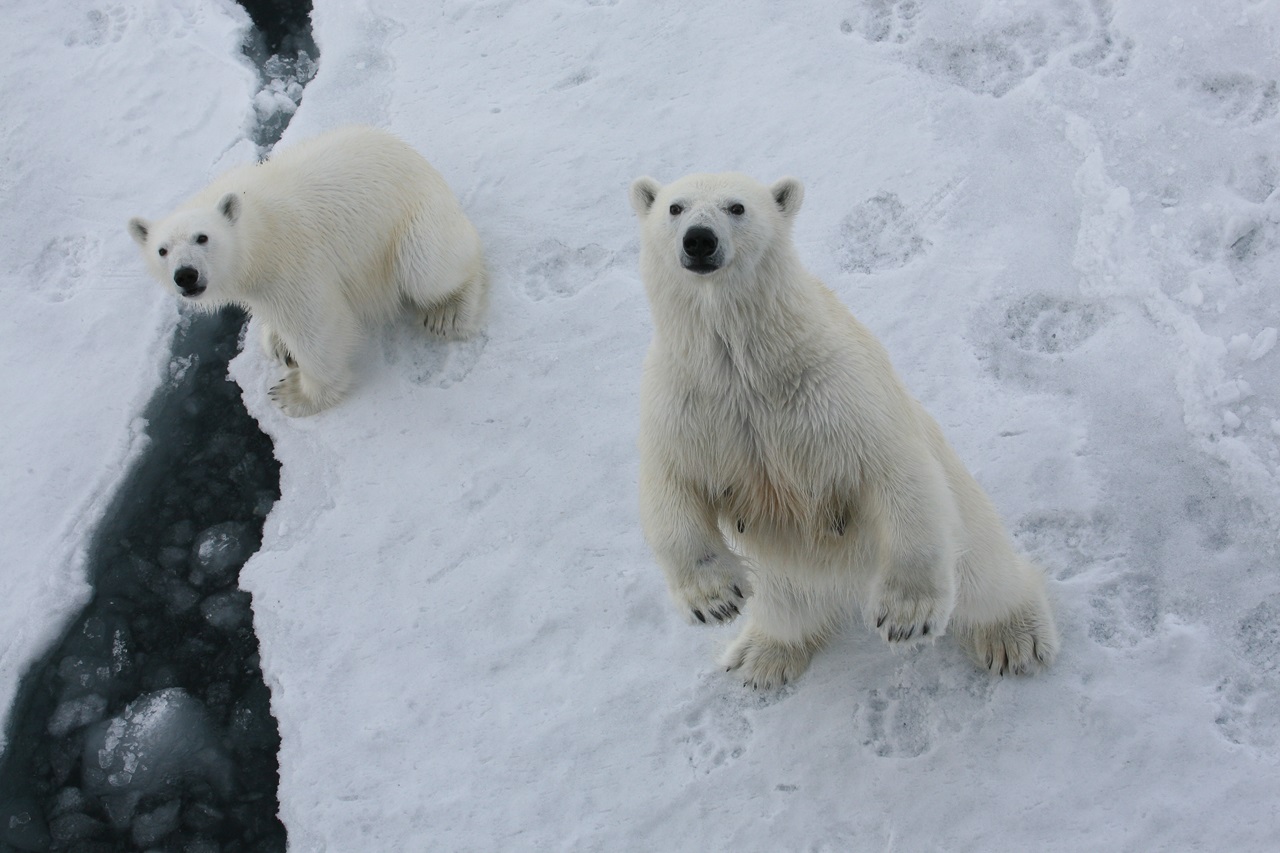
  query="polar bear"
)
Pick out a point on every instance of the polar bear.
point(782, 461)
point(319, 243)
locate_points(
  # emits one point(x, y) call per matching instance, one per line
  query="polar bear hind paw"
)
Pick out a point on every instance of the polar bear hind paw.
point(1022, 644)
point(292, 397)
point(765, 663)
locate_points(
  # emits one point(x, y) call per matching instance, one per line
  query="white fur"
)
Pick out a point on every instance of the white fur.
point(321, 241)
point(782, 459)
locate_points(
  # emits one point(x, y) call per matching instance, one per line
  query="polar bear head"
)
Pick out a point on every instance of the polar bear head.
point(714, 225)
point(196, 250)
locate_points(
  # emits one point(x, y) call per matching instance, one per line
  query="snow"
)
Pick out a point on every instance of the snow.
point(1061, 217)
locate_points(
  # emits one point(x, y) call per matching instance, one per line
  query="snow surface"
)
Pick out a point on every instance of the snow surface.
point(1061, 217)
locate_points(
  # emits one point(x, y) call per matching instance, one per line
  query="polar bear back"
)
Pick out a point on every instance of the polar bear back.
point(341, 208)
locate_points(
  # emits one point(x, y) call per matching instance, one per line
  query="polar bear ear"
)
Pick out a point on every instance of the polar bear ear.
point(788, 195)
point(229, 206)
point(643, 193)
point(138, 230)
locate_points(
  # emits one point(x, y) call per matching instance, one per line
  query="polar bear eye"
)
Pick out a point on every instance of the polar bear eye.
point(737, 209)
point(202, 239)
point(677, 209)
point(164, 252)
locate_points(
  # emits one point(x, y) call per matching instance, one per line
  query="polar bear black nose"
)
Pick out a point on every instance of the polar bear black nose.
point(700, 242)
point(186, 278)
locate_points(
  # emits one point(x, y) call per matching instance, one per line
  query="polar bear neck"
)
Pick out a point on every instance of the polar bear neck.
point(762, 318)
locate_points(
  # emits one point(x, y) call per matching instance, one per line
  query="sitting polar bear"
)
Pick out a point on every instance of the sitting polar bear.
point(783, 460)
point(322, 240)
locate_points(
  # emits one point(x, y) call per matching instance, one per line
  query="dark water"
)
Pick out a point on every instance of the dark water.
point(148, 725)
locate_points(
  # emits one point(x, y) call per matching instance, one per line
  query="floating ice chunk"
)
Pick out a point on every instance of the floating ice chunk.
point(228, 610)
point(69, 800)
point(154, 825)
point(219, 551)
point(158, 742)
point(172, 557)
point(1230, 420)
point(72, 714)
point(22, 825)
point(85, 675)
point(75, 826)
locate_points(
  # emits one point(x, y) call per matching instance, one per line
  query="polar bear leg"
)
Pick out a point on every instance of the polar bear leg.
point(1002, 614)
point(323, 344)
point(440, 270)
point(707, 580)
point(458, 315)
point(787, 622)
point(914, 594)
point(273, 346)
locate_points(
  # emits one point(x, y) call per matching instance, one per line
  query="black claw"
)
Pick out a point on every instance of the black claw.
point(991, 659)
point(924, 632)
point(701, 618)
point(734, 609)
point(742, 528)
point(880, 621)
point(737, 592)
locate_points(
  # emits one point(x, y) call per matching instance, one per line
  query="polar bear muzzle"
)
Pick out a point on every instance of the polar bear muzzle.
point(702, 254)
point(187, 278)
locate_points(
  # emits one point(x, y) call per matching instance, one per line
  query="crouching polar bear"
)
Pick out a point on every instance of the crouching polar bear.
point(783, 461)
point(319, 242)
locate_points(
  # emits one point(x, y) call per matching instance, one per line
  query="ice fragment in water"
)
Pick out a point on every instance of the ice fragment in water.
point(228, 610)
point(154, 825)
point(219, 552)
point(72, 714)
point(159, 742)
point(22, 826)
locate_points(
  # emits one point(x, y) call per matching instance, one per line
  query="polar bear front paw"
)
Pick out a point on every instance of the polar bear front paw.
point(293, 398)
point(904, 614)
point(764, 662)
point(714, 593)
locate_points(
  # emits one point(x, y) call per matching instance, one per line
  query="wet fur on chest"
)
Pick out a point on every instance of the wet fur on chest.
point(764, 447)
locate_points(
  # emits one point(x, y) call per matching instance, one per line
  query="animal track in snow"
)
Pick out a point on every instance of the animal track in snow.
point(558, 271)
point(1249, 712)
point(577, 78)
point(426, 361)
point(885, 21)
point(1126, 609)
point(1258, 635)
point(894, 723)
point(1107, 55)
point(62, 264)
point(993, 63)
point(1256, 178)
point(1238, 98)
point(1047, 325)
point(1071, 543)
point(717, 732)
point(879, 234)
point(1005, 47)
point(1249, 701)
point(101, 26)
